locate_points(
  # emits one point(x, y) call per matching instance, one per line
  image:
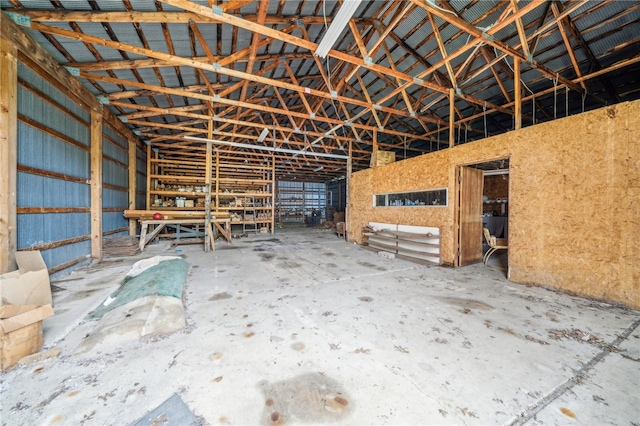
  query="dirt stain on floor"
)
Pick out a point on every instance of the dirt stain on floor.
point(220, 296)
point(266, 256)
point(372, 266)
point(308, 398)
point(467, 303)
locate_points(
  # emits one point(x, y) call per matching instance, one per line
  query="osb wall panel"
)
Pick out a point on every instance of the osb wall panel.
point(573, 201)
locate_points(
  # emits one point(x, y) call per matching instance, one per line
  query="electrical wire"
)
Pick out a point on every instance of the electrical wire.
point(432, 3)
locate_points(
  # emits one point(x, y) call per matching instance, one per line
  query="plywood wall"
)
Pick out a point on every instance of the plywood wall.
point(573, 205)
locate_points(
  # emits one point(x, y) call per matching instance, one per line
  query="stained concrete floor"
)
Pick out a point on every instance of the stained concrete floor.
point(302, 327)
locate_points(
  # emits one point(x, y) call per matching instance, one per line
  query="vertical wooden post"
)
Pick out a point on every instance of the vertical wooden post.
point(347, 210)
point(517, 88)
point(207, 187)
point(273, 194)
point(452, 117)
point(133, 160)
point(217, 180)
point(149, 202)
point(96, 184)
point(8, 153)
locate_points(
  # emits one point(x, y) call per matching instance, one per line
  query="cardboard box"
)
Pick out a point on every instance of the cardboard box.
point(380, 158)
point(20, 332)
point(29, 285)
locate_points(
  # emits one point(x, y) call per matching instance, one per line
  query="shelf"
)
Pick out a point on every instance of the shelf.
point(244, 194)
point(225, 179)
point(178, 193)
point(174, 178)
point(244, 208)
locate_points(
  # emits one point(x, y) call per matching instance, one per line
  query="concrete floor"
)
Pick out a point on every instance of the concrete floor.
point(302, 327)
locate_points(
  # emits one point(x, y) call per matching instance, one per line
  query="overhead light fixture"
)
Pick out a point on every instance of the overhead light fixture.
point(263, 135)
point(339, 23)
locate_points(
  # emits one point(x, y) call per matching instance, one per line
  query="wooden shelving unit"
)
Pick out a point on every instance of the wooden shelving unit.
point(240, 190)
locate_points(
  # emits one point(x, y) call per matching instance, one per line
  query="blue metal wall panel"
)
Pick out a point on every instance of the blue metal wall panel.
point(112, 150)
point(112, 198)
point(114, 174)
point(44, 228)
point(43, 151)
point(43, 112)
point(115, 137)
point(141, 180)
point(113, 220)
point(42, 191)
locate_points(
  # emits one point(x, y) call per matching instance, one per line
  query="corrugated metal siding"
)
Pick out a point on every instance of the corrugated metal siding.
point(141, 180)
point(115, 177)
point(40, 150)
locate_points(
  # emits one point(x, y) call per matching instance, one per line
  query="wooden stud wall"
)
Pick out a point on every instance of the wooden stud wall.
point(15, 47)
point(8, 153)
point(573, 202)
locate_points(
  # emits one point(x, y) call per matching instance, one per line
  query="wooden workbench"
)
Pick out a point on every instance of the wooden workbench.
point(150, 228)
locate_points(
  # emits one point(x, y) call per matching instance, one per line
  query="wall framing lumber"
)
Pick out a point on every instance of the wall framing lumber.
point(8, 152)
point(96, 184)
point(132, 182)
point(36, 53)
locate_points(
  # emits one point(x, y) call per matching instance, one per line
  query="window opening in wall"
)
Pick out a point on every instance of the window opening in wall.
point(425, 198)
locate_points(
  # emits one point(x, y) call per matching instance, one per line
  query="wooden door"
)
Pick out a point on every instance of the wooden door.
point(470, 186)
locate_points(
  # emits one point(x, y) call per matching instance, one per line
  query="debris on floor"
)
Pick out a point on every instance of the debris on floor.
point(171, 412)
point(149, 302)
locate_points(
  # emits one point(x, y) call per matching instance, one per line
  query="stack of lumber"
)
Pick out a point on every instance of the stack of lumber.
point(120, 246)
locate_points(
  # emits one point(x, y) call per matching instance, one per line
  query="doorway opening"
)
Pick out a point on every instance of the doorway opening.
point(482, 202)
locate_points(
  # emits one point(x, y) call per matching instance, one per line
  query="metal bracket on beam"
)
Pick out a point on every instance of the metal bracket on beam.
point(458, 91)
point(297, 130)
point(22, 20)
point(368, 61)
point(73, 71)
point(103, 99)
point(376, 106)
point(334, 94)
point(348, 123)
point(216, 66)
point(299, 22)
point(487, 36)
point(217, 10)
point(417, 80)
point(216, 97)
point(312, 115)
point(216, 117)
point(286, 140)
point(530, 59)
point(412, 114)
point(216, 131)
